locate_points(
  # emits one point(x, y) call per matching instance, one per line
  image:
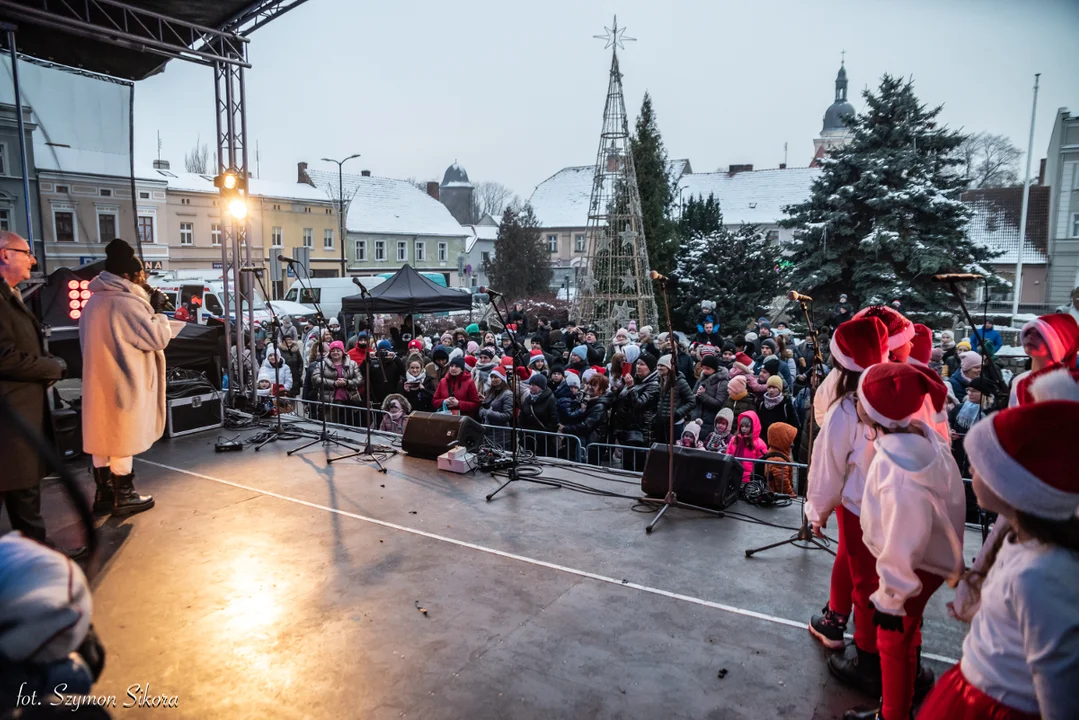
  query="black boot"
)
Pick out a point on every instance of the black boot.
point(126, 500)
point(828, 627)
point(103, 495)
point(873, 714)
point(858, 669)
point(923, 679)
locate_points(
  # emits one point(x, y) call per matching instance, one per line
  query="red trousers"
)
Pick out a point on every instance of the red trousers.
point(954, 698)
point(857, 581)
point(898, 651)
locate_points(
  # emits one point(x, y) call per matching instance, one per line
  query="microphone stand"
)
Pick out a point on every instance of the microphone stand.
point(276, 432)
point(325, 437)
point(514, 474)
point(671, 499)
point(368, 452)
point(805, 533)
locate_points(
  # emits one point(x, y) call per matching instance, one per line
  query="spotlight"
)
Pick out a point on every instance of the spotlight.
point(238, 208)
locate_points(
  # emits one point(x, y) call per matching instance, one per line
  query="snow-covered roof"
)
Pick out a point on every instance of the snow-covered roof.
point(256, 187)
point(561, 201)
point(479, 232)
point(995, 223)
point(679, 167)
point(388, 206)
point(754, 197)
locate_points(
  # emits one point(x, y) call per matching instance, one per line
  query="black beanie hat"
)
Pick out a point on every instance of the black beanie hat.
point(458, 361)
point(120, 258)
point(728, 346)
point(772, 365)
point(709, 361)
point(649, 360)
point(538, 379)
point(440, 353)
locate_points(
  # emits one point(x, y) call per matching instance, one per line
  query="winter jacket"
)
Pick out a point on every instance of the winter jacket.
point(991, 336)
point(711, 400)
point(752, 448)
point(324, 379)
point(386, 374)
point(685, 366)
point(481, 375)
point(389, 424)
point(959, 383)
point(713, 338)
point(497, 406)
point(462, 388)
point(684, 402)
point(282, 376)
point(636, 409)
point(783, 412)
point(123, 368)
point(590, 422)
point(25, 374)
point(539, 412)
point(294, 359)
point(419, 394)
point(913, 510)
point(595, 353)
point(780, 478)
point(740, 406)
point(841, 458)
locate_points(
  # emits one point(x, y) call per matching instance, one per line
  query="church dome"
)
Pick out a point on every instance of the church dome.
point(455, 176)
point(833, 116)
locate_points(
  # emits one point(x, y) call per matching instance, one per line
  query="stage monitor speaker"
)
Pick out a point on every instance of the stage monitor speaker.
point(701, 477)
point(67, 431)
point(428, 435)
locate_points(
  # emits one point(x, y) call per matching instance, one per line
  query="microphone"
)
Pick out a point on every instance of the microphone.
point(357, 283)
point(957, 277)
point(656, 276)
point(798, 297)
point(285, 259)
point(488, 291)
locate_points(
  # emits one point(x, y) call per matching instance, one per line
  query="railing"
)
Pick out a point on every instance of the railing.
point(539, 442)
point(348, 417)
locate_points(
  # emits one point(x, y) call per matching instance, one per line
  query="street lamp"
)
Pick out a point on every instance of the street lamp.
point(341, 205)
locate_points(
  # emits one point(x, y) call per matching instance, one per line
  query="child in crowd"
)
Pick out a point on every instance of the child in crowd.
point(1051, 341)
point(747, 442)
point(738, 398)
point(1019, 659)
point(913, 511)
point(780, 439)
point(774, 405)
point(720, 436)
point(397, 409)
point(691, 435)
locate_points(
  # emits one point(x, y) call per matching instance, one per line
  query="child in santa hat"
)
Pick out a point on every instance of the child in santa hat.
point(1021, 657)
point(836, 483)
point(913, 511)
point(1051, 341)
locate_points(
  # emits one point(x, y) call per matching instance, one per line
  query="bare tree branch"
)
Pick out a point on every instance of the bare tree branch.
point(492, 197)
point(990, 160)
point(197, 160)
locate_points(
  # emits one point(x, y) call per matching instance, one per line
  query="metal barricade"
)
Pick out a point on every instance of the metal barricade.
point(539, 442)
point(350, 417)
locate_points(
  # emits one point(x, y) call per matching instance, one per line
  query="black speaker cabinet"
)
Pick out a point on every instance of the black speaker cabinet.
point(704, 478)
point(67, 431)
point(428, 435)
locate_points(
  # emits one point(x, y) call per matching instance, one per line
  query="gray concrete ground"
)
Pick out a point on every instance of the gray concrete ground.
point(263, 586)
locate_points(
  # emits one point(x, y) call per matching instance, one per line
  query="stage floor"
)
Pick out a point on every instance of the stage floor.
point(268, 586)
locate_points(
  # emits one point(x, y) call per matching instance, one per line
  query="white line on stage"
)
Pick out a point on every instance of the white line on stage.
point(801, 625)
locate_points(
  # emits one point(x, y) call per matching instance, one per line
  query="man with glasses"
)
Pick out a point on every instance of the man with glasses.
point(26, 372)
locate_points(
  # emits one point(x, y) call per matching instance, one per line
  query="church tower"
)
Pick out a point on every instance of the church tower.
point(834, 133)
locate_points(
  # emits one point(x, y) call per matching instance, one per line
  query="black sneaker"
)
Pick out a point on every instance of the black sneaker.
point(828, 627)
point(858, 669)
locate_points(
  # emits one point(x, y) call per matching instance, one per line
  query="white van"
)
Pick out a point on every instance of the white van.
point(328, 292)
point(211, 293)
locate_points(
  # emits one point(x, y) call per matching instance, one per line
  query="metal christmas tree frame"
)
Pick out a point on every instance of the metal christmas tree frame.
point(613, 286)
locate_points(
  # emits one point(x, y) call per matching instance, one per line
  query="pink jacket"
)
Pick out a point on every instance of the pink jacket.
point(754, 449)
point(753, 383)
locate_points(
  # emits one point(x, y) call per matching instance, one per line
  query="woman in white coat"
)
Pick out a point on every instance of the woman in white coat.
point(123, 334)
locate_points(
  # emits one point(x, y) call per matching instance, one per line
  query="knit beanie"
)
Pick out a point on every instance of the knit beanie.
point(458, 361)
point(580, 351)
point(706, 350)
point(472, 347)
point(728, 415)
point(572, 380)
point(649, 359)
point(969, 360)
point(415, 344)
point(937, 355)
point(440, 353)
point(1012, 457)
point(588, 374)
point(776, 382)
point(710, 361)
point(772, 365)
point(120, 258)
point(665, 361)
point(737, 385)
point(728, 346)
point(385, 345)
point(487, 352)
point(770, 343)
point(457, 353)
point(962, 346)
point(539, 380)
point(337, 344)
point(693, 427)
point(751, 337)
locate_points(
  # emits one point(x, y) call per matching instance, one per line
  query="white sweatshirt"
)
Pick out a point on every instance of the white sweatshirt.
point(913, 512)
point(841, 457)
point(822, 398)
point(1023, 645)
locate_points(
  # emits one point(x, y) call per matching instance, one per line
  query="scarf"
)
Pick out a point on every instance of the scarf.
point(771, 402)
point(969, 414)
point(410, 378)
point(396, 412)
point(717, 442)
point(739, 396)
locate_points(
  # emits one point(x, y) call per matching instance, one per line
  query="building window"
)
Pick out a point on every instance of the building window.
point(552, 243)
point(772, 236)
point(276, 206)
point(277, 237)
point(443, 251)
point(105, 192)
point(380, 250)
point(1075, 225)
point(329, 211)
point(307, 209)
point(146, 228)
point(215, 234)
point(578, 243)
point(402, 251)
point(327, 239)
point(485, 258)
point(308, 238)
point(64, 222)
point(421, 251)
point(144, 195)
point(185, 201)
point(361, 251)
point(5, 219)
point(63, 189)
point(187, 233)
point(3, 158)
point(106, 225)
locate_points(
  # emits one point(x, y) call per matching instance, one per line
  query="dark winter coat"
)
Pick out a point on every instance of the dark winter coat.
point(740, 406)
point(711, 400)
point(25, 374)
point(589, 423)
point(294, 359)
point(595, 353)
point(497, 406)
point(685, 366)
point(704, 338)
point(386, 375)
point(635, 411)
point(684, 402)
point(783, 412)
point(539, 412)
point(419, 395)
point(521, 319)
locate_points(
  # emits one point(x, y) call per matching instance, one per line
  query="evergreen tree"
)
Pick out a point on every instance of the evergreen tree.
point(520, 265)
point(656, 189)
point(885, 215)
point(737, 270)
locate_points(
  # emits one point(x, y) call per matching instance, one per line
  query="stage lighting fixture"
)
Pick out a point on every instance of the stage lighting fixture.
point(238, 208)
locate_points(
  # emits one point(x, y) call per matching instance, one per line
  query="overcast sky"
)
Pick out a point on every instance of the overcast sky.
point(515, 93)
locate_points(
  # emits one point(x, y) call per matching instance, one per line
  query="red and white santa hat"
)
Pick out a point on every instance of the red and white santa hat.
point(1061, 335)
point(470, 361)
point(1011, 455)
point(496, 371)
point(893, 394)
point(1053, 383)
point(858, 344)
point(743, 359)
point(900, 330)
point(921, 350)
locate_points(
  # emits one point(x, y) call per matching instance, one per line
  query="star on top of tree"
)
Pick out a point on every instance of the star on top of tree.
point(614, 36)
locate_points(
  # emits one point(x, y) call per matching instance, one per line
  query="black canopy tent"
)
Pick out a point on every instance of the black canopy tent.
point(407, 292)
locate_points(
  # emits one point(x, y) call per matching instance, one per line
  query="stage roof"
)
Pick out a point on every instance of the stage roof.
point(85, 30)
